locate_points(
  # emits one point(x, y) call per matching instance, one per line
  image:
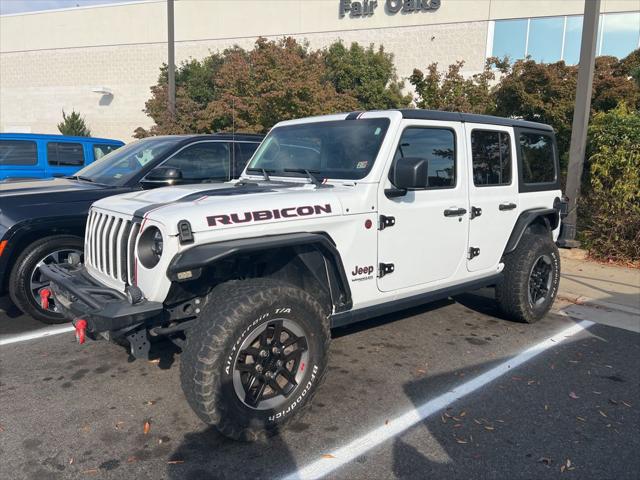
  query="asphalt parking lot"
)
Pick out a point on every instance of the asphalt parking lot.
point(568, 408)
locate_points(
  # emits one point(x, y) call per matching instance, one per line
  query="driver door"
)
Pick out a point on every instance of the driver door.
point(427, 242)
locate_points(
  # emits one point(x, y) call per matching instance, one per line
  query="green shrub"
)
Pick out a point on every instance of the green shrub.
point(610, 209)
point(73, 124)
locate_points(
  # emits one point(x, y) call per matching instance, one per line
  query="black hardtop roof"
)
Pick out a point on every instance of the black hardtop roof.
point(224, 136)
point(420, 114)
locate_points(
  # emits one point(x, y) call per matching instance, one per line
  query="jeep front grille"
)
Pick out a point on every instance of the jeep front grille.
point(109, 245)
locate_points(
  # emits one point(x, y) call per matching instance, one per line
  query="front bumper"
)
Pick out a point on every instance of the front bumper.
point(80, 296)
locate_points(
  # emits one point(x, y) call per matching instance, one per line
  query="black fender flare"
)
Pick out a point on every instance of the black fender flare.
point(550, 217)
point(207, 254)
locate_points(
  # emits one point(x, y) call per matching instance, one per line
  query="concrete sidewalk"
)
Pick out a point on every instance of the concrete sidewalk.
point(607, 294)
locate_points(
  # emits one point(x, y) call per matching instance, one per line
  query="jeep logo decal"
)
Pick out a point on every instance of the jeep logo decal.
point(362, 273)
point(258, 215)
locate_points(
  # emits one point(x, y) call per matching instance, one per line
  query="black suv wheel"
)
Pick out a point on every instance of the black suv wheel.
point(255, 357)
point(531, 278)
point(25, 281)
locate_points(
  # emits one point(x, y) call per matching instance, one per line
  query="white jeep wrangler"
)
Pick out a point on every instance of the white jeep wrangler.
point(336, 219)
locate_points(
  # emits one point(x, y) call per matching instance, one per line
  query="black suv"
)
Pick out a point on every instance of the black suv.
point(43, 221)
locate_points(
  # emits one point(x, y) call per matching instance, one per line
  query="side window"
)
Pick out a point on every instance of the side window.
point(491, 155)
point(65, 154)
point(18, 152)
point(100, 151)
point(202, 161)
point(242, 152)
point(437, 146)
point(538, 162)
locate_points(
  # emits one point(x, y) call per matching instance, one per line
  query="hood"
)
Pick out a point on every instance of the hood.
point(31, 199)
point(228, 205)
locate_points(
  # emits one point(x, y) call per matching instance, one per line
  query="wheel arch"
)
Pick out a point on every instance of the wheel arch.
point(25, 233)
point(539, 220)
point(308, 260)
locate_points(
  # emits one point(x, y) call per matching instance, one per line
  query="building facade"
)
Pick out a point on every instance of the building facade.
point(103, 60)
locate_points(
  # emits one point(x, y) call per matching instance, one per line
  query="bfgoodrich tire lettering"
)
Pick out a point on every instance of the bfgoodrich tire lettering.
point(514, 294)
point(216, 349)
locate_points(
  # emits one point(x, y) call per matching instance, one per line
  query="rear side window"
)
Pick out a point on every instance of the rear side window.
point(18, 152)
point(242, 153)
point(491, 154)
point(65, 154)
point(100, 151)
point(538, 161)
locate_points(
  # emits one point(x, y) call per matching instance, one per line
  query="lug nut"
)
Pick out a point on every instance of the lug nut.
point(279, 363)
point(275, 350)
point(269, 375)
point(259, 368)
point(263, 353)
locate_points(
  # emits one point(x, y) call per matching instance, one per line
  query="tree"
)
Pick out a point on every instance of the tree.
point(73, 124)
point(366, 74)
point(610, 209)
point(246, 91)
point(451, 91)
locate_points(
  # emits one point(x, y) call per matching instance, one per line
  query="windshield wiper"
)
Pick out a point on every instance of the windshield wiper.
point(309, 173)
point(265, 172)
point(80, 177)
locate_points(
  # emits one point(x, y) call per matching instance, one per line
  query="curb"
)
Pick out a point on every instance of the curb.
point(592, 302)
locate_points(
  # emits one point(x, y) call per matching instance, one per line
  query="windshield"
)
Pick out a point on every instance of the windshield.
point(343, 149)
point(117, 167)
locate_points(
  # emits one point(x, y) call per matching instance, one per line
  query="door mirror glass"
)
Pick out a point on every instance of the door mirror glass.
point(411, 173)
point(160, 176)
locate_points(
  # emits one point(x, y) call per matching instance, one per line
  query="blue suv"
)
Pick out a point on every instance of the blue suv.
point(27, 155)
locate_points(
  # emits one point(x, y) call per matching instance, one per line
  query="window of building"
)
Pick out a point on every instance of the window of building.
point(491, 154)
point(510, 38)
point(620, 34)
point(202, 161)
point(65, 154)
point(545, 39)
point(437, 146)
point(538, 161)
point(550, 39)
point(18, 152)
point(100, 151)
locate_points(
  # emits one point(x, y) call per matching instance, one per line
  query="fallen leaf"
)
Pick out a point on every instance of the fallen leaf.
point(573, 395)
point(603, 414)
point(2, 428)
point(444, 420)
point(531, 382)
point(132, 459)
point(460, 440)
point(91, 471)
point(613, 402)
point(581, 419)
point(501, 421)
point(562, 468)
point(71, 461)
point(150, 402)
point(477, 421)
point(146, 427)
point(456, 419)
point(175, 462)
point(516, 378)
point(546, 407)
point(328, 455)
point(597, 393)
point(118, 424)
point(421, 371)
point(623, 402)
point(487, 427)
point(462, 414)
point(545, 460)
point(155, 360)
point(457, 425)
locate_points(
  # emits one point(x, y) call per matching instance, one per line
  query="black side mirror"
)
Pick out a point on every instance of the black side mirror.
point(410, 173)
point(161, 176)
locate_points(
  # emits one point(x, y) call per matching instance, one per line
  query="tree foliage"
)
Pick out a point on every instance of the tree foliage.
point(252, 90)
point(366, 74)
point(610, 209)
point(73, 124)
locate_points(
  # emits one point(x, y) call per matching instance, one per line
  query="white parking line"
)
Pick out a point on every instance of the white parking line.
point(377, 436)
point(41, 333)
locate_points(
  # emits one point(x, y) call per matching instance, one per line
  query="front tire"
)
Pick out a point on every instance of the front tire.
point(25, 280)
point(531, 279)
point(255, 357)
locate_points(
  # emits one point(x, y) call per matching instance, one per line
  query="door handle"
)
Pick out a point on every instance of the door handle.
point(454, 212)
point(507, 206)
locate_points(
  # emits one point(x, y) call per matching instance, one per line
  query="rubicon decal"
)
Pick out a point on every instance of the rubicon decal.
point(260, 215)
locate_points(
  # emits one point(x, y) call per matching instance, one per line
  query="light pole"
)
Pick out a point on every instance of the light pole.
point(581, 118)
point(171, 61)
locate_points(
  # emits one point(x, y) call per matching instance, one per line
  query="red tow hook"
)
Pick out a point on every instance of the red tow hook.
point(81, 328)
point(45, 293)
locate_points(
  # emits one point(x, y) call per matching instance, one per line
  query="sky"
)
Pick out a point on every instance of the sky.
point(19, 6)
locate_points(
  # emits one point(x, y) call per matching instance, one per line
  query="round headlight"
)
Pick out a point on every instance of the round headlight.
point(150, 247)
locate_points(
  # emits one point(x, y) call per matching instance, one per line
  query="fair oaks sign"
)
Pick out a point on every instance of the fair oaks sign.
point(367, 8)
